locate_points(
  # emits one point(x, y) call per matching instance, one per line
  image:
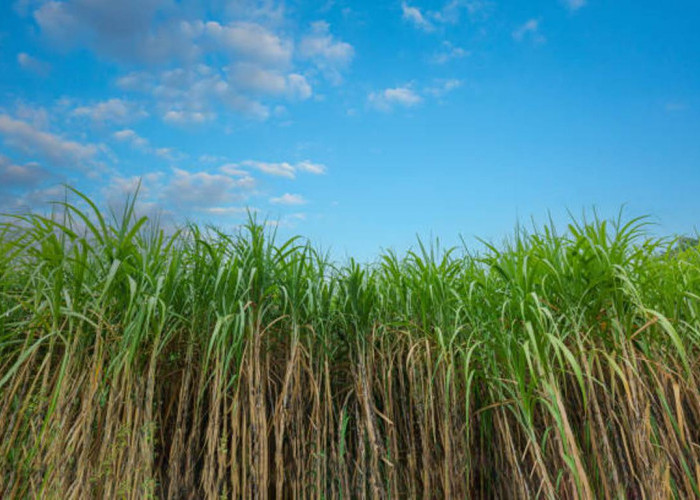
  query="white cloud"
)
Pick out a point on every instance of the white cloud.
point(298, 87)
point(529, 29)
point(230, 210)
point(255, 79)
point(57, 22)
point(241, 64)
point(331, 56)
point(442, 87)
point(158, 31)
point(32, 199)
point(141, 143)
point(189, 95)
point(387, 99)
point(282, 169)
point(288, 221)
point(128, 135)
point(407, 96)
point(33, 64)
point(126, 30)
point(450, 13)
point(279, 169)
point(202, 190)
point(312, 168)
point(37, 116)
point(56, 150)
point(251, 41)
point(195, 95)
point(209, 158)
point(288, 199)
point(321, 44)
point(168, 153)
point(139, 81)
point(183, 117)
point(248, 107)
point(120, 189)
point(416, 17)
point(22, 176)
point(269, 12)
point(111, 110)
point(233, 169)
point(449, 53)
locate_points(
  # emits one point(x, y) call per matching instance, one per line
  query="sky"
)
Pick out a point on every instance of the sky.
point(357, 124)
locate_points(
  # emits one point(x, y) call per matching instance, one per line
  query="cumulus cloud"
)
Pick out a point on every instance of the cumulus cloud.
point(449, 13)
point(250, 41)
point(330, 55)
point(53, 148)
point(33, 65)
point(120, 189)
point(124, 30)
point(229, 210)
point(407, 96)
point(529, 30)
point(280, 169)
point(37, 116)
point(159, 31)
point(298, 87)
point(28, 175)
point(312, 168)
point(442, 87)
point(288, 199)
point(198, 69)
point(137, 81)
point(169, 194)
point(32, 198)
point(183, 117)
point(448, 53)
point(191, 95)
point(255, 79)
point(387, 99)
point(288, 221)
point(416, 17)
point(182, 82)
point(131, 137)
point(247, 60)
point(233, 169)
point(169, 153)
point(196, 95)
point(202, 189)
point(111, 110)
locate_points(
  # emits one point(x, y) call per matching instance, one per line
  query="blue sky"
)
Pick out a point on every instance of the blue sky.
point(358, 124)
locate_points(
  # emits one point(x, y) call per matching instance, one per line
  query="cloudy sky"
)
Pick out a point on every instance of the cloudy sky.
point(358, 124)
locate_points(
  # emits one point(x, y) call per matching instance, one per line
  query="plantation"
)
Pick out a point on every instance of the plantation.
point(138, 364)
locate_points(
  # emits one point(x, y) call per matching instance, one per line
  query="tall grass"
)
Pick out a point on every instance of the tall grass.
point(135, 364)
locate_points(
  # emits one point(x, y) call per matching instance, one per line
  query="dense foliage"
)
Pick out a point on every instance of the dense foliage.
point(200, 365)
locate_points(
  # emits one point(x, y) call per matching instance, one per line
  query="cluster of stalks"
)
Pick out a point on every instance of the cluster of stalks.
point(138, 364)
